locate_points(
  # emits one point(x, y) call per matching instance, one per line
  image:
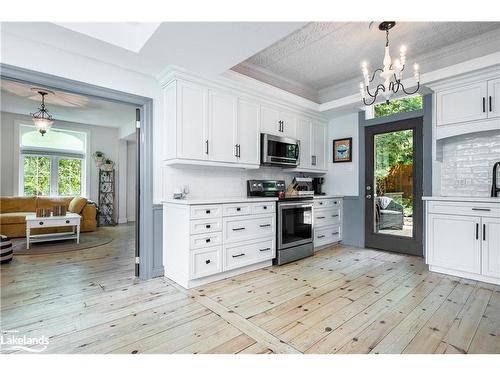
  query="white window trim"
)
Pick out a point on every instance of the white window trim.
point(19, 177)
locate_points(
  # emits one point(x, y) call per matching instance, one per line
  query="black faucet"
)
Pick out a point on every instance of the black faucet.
point(494, 186)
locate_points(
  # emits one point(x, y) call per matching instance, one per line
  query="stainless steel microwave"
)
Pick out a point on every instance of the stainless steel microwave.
point(279, 151)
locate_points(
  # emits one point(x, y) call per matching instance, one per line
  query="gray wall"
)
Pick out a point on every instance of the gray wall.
point(354, 206)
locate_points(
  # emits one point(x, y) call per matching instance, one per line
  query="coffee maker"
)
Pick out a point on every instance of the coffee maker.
point(317, 182)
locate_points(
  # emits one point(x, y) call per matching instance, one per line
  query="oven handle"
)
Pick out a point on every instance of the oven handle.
point(291, 204)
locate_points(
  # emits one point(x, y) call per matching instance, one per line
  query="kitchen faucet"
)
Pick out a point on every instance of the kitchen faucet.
point(494, 186)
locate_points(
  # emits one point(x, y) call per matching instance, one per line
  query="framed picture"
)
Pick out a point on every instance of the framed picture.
point(342, 150)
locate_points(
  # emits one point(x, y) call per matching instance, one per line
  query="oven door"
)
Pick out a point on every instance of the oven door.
point(279, 150)
point(295, 224)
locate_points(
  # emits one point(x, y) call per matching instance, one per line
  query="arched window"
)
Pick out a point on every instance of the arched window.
point(53, 164)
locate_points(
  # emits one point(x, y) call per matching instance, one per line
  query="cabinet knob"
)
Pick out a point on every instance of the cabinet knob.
point(41, 223)
point(207, 226)
point(207, 240)
point(238, 208)
point(207, 211)
point(207, 261)
point(67, 221)
point(264, 207)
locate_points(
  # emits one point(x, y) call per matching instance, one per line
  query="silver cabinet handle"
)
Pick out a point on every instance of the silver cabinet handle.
point(266, 249)
point(239, 255)
point(264, 225)
point(236, 229)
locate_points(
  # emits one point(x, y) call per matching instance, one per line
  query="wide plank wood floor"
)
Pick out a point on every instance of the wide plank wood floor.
point(341, 300)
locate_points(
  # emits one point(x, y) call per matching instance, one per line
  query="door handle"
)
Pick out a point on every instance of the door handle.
point(477, 231)
point(484, 232)
point(368, 196)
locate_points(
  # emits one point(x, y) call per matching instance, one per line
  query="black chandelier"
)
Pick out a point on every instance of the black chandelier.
point(391, 74)
point(42, 118)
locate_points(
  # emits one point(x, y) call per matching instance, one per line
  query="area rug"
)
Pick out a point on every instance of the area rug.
point(87, 241)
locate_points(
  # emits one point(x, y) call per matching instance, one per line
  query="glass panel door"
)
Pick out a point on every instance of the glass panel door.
point(393, 183)
point(393, 186)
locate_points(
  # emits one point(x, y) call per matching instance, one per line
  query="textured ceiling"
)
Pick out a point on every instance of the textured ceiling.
point(324, 54)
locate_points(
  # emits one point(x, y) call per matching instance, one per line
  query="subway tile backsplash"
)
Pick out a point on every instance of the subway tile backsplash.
point(467, 164)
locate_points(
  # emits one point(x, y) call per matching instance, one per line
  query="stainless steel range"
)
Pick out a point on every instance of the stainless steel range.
point(295, 226)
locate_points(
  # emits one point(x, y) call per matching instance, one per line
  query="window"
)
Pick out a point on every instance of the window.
point(412, 103)
point(53, 164)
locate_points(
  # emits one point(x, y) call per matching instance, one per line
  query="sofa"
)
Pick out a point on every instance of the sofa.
point(389, 214)
point(13, 211)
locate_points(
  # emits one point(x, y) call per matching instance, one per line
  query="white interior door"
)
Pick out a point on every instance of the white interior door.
point(491, 246)
point(455, 242)
point(248, 132)
point(222, 126)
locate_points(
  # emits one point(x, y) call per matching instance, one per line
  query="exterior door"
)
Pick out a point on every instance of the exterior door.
point(137, 188)
point(393, 187)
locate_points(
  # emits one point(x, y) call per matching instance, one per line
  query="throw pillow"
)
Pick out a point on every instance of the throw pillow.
point(77, 204)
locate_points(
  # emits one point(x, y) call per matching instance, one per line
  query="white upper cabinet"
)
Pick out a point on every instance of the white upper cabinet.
point(304, 128)
point(222, 109)
point(491, 246)
point(319, 137)
point(248, 136)
point(461, 104)
point(494, 98)
point(278, 122)
point(191, 121)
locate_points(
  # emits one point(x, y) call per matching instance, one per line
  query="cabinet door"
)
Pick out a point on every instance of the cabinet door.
point(270, 121)
point(465, 103)
point(248, 132)
point(192, 121)
point(304, 128)
point(319, 146)
point(289, 124)
point(494, 98)
point(491, 246)
point(454, 242)
point(222, 126)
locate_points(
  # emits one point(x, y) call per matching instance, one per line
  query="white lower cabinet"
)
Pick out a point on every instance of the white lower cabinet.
point(463, 239)
point(327, 221)
point(205, 243)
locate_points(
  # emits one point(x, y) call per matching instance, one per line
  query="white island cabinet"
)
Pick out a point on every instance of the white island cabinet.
point(212, 239)
point(463, 237)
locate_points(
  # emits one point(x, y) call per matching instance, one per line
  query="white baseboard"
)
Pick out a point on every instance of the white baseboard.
point(122, 220)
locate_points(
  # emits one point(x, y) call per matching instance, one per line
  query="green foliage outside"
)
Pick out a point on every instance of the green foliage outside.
point(69, 171)
point(391, 149)
point(413, 103)
point(36, 175)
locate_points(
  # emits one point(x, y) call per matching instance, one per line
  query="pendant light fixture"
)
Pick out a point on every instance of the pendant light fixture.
point(390, 75)
point(42, 118)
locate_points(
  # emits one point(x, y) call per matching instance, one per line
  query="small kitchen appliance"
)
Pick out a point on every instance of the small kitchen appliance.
point(294, 218)
point(279, 151)
point(317, 185)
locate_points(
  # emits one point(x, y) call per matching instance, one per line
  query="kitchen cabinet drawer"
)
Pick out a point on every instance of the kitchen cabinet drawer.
point(248, 228)
point(205, 240)
point(463, 208)
point(327, 203)
point(264, 208)
point(205, 211)
point(205, 225)
point(327, 235)
point(324, 218)
point(205, 262)
point(236, 209)
point(250, 252)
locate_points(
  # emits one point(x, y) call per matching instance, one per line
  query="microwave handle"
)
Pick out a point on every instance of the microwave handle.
point(297, 151)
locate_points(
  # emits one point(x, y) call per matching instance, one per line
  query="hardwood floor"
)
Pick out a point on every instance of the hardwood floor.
point(342, 300)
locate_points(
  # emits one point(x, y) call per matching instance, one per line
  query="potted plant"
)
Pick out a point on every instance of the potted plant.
point(98, 158)
point(107, 165)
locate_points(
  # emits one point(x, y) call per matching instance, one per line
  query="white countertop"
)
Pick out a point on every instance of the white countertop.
point(463, 199)
point(190, 201)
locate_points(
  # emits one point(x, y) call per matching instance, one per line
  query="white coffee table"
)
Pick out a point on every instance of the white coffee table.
point(70, 220)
